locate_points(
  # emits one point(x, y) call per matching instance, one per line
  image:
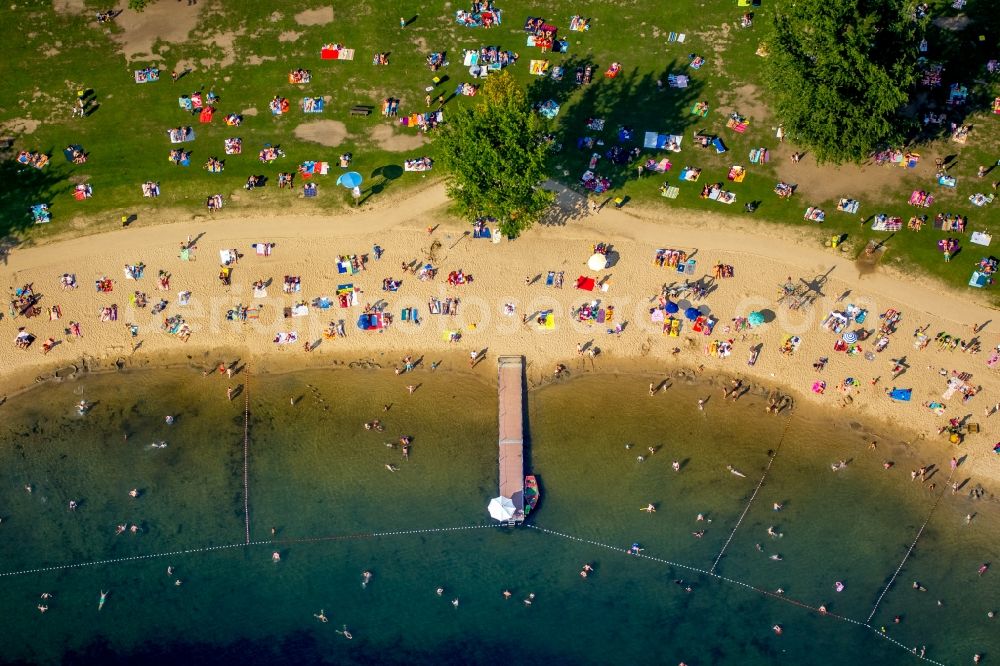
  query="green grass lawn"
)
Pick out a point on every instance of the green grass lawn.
point(242, 51)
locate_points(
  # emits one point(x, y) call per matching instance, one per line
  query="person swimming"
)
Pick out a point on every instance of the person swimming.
point(101, 601)
point(649, 508)
point(169, 419)
point(776, 557)
point(275, 557)
point(778, 506)
point(345, 633)
point(454, 603)
point(321, 616)
point(735, 471)
point(366, 577)
point(440, 591)
point(507, 594)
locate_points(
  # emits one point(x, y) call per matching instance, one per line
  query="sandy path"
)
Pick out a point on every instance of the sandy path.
point(308, 247)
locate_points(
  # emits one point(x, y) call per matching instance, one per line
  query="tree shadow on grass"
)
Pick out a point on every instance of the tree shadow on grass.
point(631, 100)
point(962, 42)
point(383, 178)
point(21, 187)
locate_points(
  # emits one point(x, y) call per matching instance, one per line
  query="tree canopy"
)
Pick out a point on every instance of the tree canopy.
point(841, 72)
point(494, 157)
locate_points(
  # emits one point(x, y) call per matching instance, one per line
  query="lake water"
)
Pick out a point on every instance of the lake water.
point(319, 479)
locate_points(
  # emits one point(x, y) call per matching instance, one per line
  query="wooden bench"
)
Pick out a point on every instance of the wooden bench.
point(360, 110)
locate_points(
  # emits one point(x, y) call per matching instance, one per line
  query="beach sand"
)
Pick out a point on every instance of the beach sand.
point(507, 273)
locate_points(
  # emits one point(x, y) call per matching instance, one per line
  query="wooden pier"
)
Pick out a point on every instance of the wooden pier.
point(511, 397)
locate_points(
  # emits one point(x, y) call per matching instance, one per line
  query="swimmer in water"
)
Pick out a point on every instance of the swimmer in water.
point(530, 599)
point(454, 603)
point(776, 557)
point(42, 609)
point(133, 493)
point(275, 557)
point(507, 594)
point(120, 529)
point(102, 599)
point(46, 595)
point(345, 633)
point(649, 508)
point(588, 568)
point(699, 534)
point(676, 466)
point(366, 577)
point(170, 571)
point(700, 517)
point(778, 507)
point(169, 419)
point(321, 616)
point(440, 591)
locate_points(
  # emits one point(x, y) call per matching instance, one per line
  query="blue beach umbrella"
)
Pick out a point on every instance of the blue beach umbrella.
point(692, 313)
point(671, 307)
point(755, 318)
point(850, 337)
point(350, 180)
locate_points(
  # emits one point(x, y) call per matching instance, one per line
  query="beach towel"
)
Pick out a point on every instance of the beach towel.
point(670, 192)
point(719, 146)
point(848, 205)
point(655, 141)
point(313, 104)
point(181, 134)
point(538, 67)
point(903, 395)
point(336, 52)
point(677, 81)
point(981, 238)
point(676, 37)
point(585, 283)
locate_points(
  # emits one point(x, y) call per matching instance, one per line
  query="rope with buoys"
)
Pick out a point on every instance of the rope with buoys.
point(909, 550)
point(206, 549)
point(756, 490)
point(733, 581)
point(246, 452)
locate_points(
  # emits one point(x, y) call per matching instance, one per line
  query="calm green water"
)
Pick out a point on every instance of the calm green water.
point(319, 479)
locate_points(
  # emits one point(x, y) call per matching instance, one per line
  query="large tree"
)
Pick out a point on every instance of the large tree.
point(840, 73)
point(494, 156)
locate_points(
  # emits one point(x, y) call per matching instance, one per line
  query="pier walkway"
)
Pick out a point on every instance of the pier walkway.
point(511, 395)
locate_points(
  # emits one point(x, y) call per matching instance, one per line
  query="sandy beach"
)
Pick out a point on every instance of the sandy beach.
point(505, 274)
